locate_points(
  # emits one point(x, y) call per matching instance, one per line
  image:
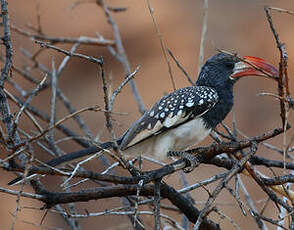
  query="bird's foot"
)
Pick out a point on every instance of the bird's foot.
point(191, 160)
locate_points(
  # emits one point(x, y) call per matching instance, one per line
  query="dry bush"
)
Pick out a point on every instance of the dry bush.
point(40, 122)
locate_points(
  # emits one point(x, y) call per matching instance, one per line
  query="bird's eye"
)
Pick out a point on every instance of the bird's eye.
point(230, 65)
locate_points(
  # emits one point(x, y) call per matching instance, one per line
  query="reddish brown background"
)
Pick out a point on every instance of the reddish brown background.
point(232, 25)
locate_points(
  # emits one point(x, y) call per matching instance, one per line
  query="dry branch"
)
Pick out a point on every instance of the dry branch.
point(139, 184)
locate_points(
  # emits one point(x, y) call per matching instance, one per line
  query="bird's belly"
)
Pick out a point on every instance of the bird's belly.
point(179, 138)
point(189, 134)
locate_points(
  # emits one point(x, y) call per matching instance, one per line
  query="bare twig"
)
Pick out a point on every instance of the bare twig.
point(203, 35)
point(23, 194)
point(181, 67)
point(6, 42)
point(118, 90)
point(29, 115)
point(92, 108)
point(23, 107)
point(39, 26)
point(52, 40)
point(106, 103)
point(157, 222)
point(281, 10)
point(96, 155)
point(232, 172)
point(251, 204)
point(283, 75)
point(163, 48)
point(89, 58)
point(121, 54)
point(4, 106)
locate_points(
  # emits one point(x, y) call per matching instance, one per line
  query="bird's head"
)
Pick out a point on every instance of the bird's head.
point(222, 70)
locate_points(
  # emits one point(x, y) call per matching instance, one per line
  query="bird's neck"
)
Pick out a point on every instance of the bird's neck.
point(224, 105)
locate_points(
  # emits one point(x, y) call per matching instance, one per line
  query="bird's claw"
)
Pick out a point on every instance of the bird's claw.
point(190, 159)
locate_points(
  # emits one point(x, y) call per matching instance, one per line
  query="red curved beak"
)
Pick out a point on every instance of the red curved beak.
point(254, 66)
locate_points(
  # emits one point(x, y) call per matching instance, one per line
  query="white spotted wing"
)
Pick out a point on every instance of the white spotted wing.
point(170, 111)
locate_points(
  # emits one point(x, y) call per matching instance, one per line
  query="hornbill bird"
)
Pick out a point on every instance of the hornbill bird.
point(184, 117)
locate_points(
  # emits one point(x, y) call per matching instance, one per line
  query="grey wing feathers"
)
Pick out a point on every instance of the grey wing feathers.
point(178, 107)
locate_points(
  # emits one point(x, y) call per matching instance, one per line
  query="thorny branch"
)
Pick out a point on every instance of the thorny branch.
point(6, 39)
point(71, 54)
point(6, 116)
point(283, 65)
point(236, 168)
point(54, 40)
point(109, 183)
point(120, 54)
point(205, 155)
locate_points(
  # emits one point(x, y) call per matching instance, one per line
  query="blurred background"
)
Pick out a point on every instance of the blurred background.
point(236, 26)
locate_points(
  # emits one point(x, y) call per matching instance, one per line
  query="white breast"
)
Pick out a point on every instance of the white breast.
point(179, 138)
